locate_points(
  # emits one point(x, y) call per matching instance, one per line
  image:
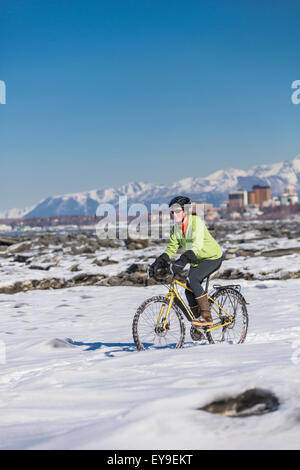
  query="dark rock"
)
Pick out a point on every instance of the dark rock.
point(125, 278)
point(42, 267)
point(136, 244)
point(233, 274)
point(19, 247)
point(110, 243)
point(290, 275)
point(61, 343)
point(83, 250)
point(243, 252)
point(7, 241)
point(281, 252)
point(138, 277)
point(74, 268)
point(229, 255)
point(255, 401)
point(52, 283)
point(22, 258)
point(137, 267)
point(84, 279)
point(104, 262)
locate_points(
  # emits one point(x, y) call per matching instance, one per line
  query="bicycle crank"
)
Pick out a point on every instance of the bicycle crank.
point(196, 334)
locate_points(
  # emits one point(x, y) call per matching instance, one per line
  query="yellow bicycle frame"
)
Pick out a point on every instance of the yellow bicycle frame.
point(174, 293)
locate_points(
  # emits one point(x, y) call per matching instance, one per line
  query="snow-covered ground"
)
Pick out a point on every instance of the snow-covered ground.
point(96, 391)
point(71, 377)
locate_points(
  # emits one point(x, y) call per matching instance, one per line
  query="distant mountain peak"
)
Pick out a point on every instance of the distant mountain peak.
point(213, 188)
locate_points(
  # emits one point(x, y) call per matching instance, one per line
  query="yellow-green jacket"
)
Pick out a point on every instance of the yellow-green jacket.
point(197, 238)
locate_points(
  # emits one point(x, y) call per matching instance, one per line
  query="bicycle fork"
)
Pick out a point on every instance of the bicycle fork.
point(170, 296)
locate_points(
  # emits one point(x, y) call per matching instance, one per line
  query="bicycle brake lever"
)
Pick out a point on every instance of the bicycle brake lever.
point(148, 272)
point(185, 271)
point(171, 270)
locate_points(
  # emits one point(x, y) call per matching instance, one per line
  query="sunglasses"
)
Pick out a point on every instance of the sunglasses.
point(177, 211)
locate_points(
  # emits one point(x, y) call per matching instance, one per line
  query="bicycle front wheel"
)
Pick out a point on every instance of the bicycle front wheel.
point(148, 333)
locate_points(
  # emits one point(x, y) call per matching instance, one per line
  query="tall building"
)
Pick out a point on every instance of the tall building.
point(259, 194)
point(238, 200)
point(251, 197)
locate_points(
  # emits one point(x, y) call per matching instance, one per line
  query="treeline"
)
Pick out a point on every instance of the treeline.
point(277, 212)
point(280, 212)
point(78, 220)
point(54, 221)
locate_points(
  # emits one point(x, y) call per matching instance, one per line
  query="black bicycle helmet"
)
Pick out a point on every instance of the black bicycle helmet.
point(180, 201)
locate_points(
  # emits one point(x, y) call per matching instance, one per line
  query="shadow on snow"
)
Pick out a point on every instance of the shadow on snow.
point(125, 347)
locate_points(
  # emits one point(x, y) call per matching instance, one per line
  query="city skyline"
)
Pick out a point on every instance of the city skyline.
point(213, 189)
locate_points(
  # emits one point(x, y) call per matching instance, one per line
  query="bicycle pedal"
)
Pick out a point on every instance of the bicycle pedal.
point(196, 334)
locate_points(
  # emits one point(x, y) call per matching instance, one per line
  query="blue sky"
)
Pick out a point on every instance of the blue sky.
point(101, 93)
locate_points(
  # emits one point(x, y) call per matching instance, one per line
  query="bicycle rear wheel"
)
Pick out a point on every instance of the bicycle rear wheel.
point(147, 334)
point(234, 304)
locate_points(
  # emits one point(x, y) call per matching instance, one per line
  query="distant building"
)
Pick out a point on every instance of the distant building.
point(251, 197)
point(235, 215)
point(290, 195)
point(211, 215)
point(202, 208)
point(259, 195)
point(5, 228)
point(224, 206)
point(252, 211)
point(274, 202)
point(237, 200)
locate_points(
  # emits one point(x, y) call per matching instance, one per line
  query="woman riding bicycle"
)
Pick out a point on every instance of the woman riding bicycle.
point(202, 252)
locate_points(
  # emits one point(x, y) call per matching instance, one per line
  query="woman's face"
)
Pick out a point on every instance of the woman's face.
point(177, 213)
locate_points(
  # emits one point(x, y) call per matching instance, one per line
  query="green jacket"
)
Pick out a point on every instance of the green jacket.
point(197, 238)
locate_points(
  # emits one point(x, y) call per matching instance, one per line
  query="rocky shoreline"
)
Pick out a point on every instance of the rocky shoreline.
point(64, 260)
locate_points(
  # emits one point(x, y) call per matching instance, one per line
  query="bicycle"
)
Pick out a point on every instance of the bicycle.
point(159, 320)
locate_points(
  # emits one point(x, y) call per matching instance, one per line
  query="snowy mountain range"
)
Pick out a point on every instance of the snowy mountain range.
point(213, 189)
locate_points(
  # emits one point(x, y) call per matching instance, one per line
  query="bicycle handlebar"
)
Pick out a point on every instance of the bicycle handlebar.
point(167, 270)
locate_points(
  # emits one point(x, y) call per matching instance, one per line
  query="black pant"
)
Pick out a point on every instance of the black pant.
point(196, 276)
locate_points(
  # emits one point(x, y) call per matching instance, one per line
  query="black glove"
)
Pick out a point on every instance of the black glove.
point(187, 257)
point(161, 262)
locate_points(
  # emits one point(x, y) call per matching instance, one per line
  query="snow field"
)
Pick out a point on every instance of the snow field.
point(73, 379)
